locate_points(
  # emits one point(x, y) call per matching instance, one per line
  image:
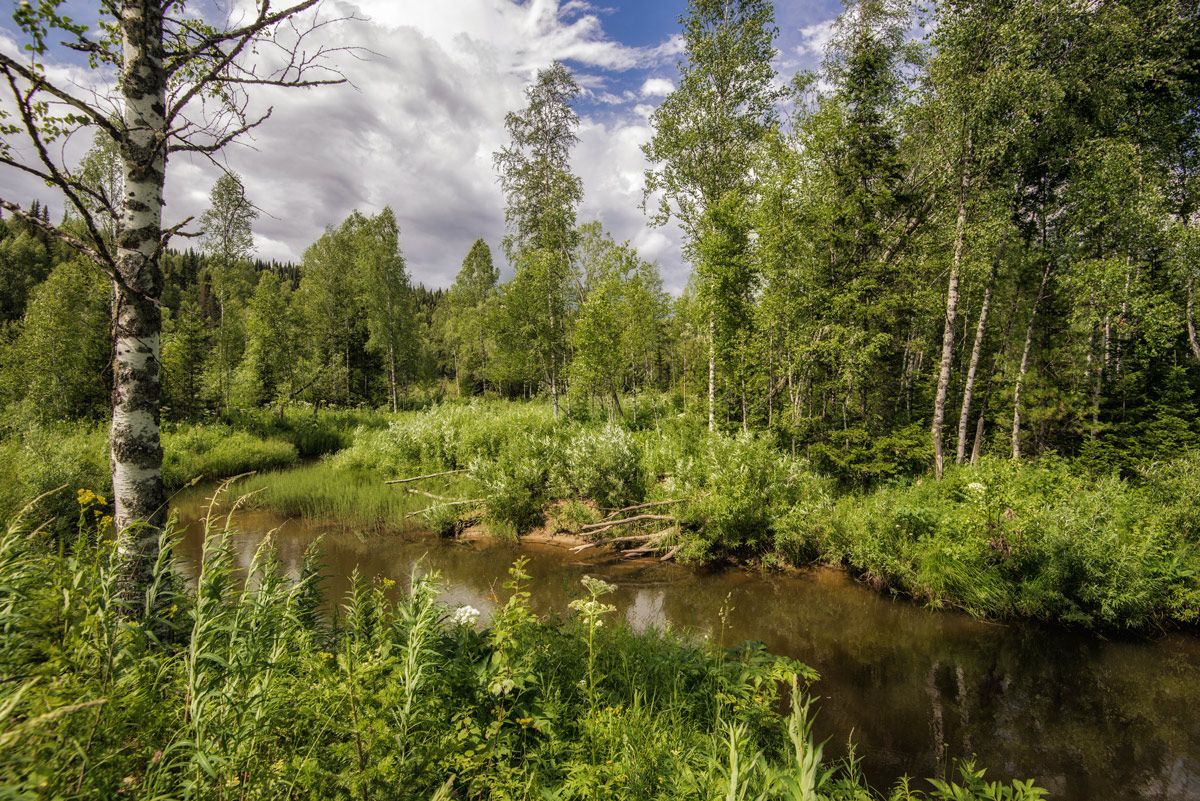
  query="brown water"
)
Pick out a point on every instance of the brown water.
point(1089, 718)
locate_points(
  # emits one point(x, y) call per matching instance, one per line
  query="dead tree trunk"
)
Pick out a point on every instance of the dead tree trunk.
point(1190, 313)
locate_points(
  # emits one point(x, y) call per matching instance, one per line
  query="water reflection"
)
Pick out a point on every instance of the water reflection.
point(1089, 718)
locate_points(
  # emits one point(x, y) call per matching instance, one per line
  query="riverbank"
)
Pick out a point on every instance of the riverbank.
point(1001, 540)
point(913, 688)
point(248, 692)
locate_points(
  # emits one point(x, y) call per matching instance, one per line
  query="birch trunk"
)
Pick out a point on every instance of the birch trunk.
point(1190, 313)
point(1024, 368)
point(136, 450)
point(392, 377)
point(712, 374)
point(943, 385)
point(960, 450)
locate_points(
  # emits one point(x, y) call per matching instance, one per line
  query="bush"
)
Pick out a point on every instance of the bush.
point(734, 489)
point(1030, 539)
point(605, 466)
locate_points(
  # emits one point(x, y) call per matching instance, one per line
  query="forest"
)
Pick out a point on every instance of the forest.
point(939, 334)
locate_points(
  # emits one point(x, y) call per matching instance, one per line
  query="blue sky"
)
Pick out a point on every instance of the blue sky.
point(417, 129)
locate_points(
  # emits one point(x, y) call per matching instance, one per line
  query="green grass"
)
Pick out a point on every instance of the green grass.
point(322, 491)
point(216, 451)
point(224, 691)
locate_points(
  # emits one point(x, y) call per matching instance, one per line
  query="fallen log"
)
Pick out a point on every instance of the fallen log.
point(416, 491)
point(428, 475)
point(643, 538)
point(669, 555)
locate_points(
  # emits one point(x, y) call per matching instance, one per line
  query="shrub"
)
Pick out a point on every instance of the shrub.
point(605, 466)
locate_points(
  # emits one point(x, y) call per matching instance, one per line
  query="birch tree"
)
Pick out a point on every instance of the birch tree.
point(179, 84)
point(542, 195)
point(702, 151)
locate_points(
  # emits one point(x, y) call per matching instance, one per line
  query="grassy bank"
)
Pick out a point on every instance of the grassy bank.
point(37, 459)
point(1001, 539)
point(222, 692)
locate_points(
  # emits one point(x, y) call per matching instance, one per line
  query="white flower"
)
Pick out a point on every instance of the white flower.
point(976, 487)
point(465, 616)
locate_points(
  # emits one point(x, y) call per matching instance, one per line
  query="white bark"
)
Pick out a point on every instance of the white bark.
point(1016, 425)
point(943, 385)
point(136, 450)
point(960, 450)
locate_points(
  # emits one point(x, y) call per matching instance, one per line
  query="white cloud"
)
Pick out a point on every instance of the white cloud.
point(417, 130)
point(816, 37)
point(657, 87)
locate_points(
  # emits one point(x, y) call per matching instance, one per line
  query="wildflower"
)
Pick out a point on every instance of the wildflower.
point(597, 586)
point(465, 616)
point(976, 487)
point(325, 655)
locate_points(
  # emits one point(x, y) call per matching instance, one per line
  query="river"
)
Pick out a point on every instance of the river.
point(1090, 718)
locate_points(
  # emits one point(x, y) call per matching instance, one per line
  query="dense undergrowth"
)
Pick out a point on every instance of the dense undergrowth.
point(246, 691)
point(1002, 539)
point(1042, 539)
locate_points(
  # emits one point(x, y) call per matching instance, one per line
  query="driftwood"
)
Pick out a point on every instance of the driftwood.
point(428, 475)
point(416, 491)
point(669, 555)
point(643, 539)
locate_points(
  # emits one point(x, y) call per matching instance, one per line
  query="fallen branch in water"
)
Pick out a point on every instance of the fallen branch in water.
point(669, 555)
point(642, 538)
point(428, 475)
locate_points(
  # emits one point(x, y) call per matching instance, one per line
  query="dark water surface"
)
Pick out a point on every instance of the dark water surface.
point(1089, 718)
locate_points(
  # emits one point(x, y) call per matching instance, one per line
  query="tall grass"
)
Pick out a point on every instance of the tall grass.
point(355, 498)
point(239, 690)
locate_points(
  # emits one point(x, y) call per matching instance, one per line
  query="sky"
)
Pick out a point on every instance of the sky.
point(416, 127)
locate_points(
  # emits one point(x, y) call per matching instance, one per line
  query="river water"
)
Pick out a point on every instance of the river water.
point(1089, 718)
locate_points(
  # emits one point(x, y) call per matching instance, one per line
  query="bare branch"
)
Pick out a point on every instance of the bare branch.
point(39, 83)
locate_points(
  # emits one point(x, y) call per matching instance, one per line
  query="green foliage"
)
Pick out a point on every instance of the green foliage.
point(192, 453)
point(605, 465)
point(252, 696)
point(1006, 539)
point(58, 366)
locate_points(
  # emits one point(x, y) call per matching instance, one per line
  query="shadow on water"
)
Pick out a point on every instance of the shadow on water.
point(1089, 718)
